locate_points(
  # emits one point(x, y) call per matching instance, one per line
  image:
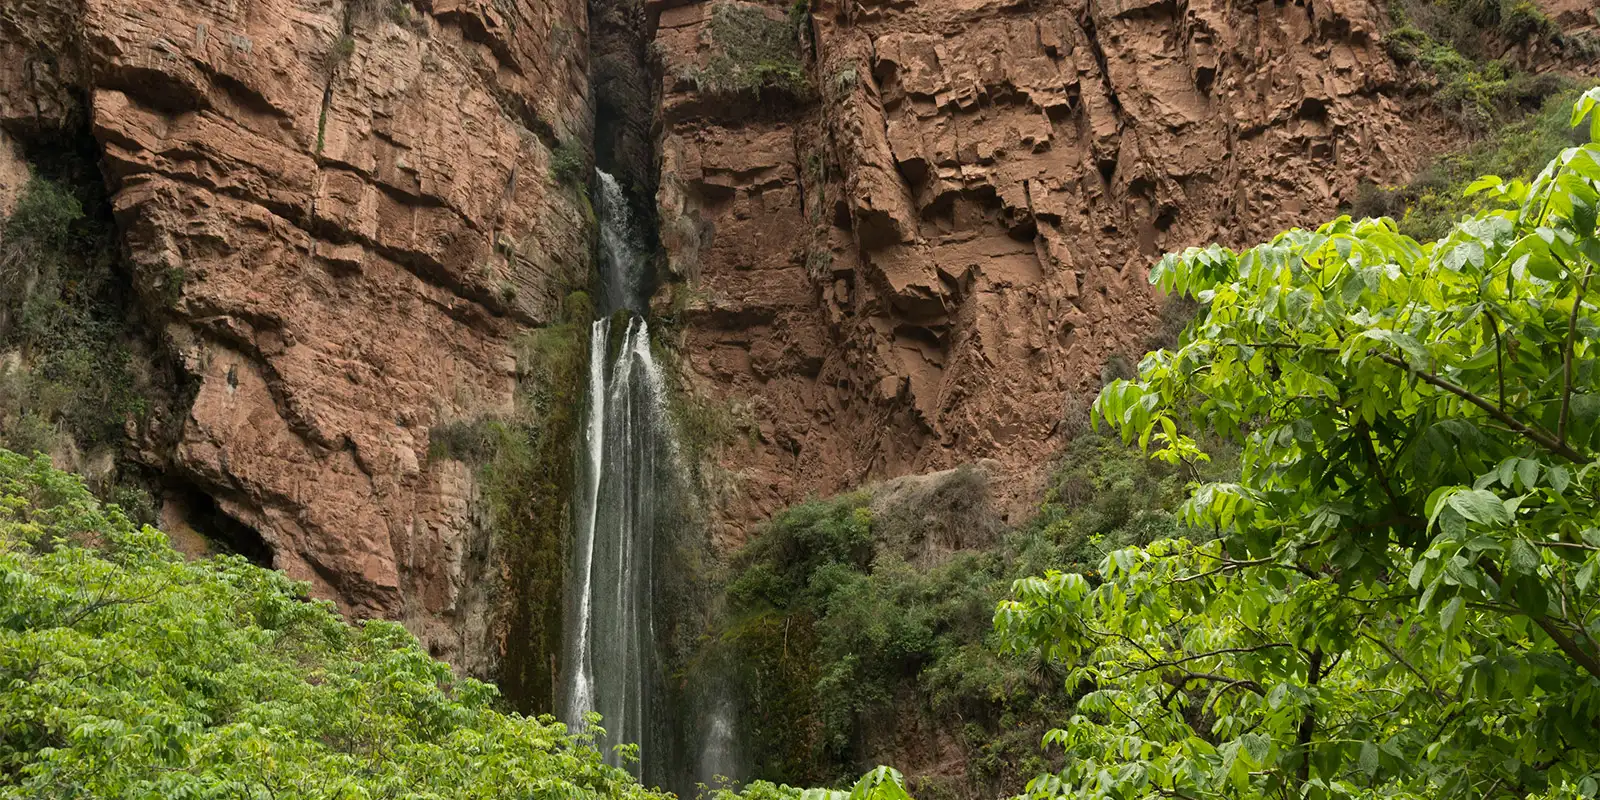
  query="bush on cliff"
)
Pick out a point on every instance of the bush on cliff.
point(128, 672)
point(1435, 200)
point(60, 311)
point(753, 52)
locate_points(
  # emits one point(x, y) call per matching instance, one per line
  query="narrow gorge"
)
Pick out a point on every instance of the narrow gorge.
point(712, 366)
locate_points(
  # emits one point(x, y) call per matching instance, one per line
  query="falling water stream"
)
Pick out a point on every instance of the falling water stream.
point(626, 509)
point(612, 664)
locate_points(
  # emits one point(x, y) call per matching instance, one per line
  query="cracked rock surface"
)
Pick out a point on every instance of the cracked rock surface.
point(942, 256)
point(341, 211)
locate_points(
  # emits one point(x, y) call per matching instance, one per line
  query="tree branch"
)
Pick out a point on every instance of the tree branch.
point(1499, 356)
point(1308, 723)
point(1533, 434)
point(1566, 644)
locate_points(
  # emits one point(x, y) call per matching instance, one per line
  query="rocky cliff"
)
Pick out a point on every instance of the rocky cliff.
point(937, 248)
point(338, 213)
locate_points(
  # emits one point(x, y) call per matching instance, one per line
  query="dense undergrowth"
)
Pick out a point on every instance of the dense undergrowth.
point(71, 374)
point(853, 619)
point(128, 672)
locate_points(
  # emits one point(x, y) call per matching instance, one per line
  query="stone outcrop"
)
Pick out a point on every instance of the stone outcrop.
point(944, 253)
point(341, 211)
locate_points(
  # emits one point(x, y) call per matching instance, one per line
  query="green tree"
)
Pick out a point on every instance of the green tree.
point(1401, 598)
point(128, 672)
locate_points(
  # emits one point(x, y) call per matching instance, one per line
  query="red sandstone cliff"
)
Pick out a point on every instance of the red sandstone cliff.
point(341, 211)
point(938, 259)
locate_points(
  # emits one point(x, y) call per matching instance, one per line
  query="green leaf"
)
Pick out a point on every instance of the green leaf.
point(1560, 478)
point(1480, 506)
point(1257, 747)
point(1528, 472)
point(1530, 595)
point(1484, 183)
point(1418, 571)
point(1368, 761)
point(1524, 558)
point(1450, 615)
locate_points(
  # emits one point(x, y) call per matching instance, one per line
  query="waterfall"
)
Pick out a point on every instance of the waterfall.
point(718, 758)
point(626, 507)
point(625, 475)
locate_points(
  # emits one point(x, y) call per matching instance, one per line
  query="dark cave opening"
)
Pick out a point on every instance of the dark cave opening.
point(201, 511)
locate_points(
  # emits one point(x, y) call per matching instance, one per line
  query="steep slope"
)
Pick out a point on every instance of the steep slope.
point(340, 212)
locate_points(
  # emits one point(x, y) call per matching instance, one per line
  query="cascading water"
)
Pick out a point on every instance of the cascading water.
point(625, 471)
point(718, 754)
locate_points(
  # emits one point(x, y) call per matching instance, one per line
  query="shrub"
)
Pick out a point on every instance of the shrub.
point(569, 164)
point(62, 302)
point(126, 671)
point(1448, 39)
point(752, 52)
point(841, 631)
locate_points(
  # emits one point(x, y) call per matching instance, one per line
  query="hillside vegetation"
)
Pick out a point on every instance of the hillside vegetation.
point(128, 672)
point(858, 622)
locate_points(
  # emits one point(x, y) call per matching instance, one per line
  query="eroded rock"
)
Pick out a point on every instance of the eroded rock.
point(933, 261)
point(342, 211)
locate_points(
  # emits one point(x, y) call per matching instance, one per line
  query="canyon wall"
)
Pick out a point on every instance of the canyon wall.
point(926, 246)
point(941, 253)
point(339, 213)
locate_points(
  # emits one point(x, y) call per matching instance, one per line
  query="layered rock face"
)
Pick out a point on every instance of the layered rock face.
point(341, 211)
point(943, 256)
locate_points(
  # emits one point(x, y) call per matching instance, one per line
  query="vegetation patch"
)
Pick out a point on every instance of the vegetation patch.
point(1435, 200)
point(127, 671)
point(569, 164)
point(71, 379)
point(753, 52)
point(1458, 43)
point(846, 620)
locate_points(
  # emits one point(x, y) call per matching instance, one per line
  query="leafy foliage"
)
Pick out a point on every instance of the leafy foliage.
point(1401, 598)
point(880, 783)
point(126, 671)
point(752, 52)
point(853, 618)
